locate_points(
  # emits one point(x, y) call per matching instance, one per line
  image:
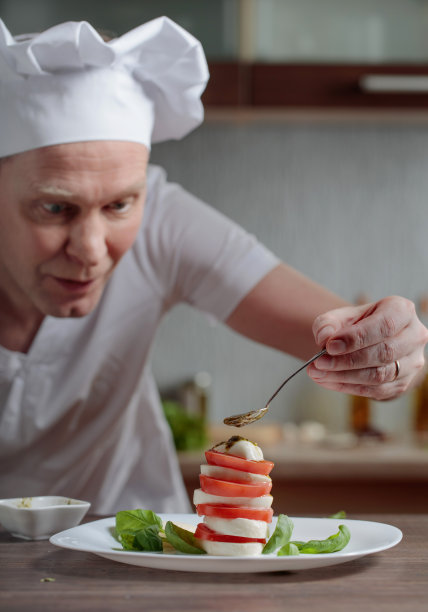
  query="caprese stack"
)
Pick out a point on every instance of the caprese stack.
point(234, 499)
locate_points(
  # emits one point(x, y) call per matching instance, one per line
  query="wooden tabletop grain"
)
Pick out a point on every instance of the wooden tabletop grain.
point(395, 580)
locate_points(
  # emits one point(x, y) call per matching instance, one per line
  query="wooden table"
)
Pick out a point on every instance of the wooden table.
point(395, 580)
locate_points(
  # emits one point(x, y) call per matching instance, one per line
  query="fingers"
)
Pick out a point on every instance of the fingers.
point(376, 382)
point(329, 324)
point(365, 346)
point(379, 383)
point(379, 393)
point(356, 327)
point(365, 376)
point(380, 354)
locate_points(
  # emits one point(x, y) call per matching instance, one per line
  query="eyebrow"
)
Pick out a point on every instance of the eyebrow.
point(54, 190)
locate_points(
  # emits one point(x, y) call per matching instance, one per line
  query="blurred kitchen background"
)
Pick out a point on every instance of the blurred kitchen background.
point(316, 141)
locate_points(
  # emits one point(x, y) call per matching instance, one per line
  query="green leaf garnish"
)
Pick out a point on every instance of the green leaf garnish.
point(149, 539)
point(138, 530)
point(281, 534)
point(288, 550)
point(135, 520)
point(339, 515)
point(182, 540)
point(128, 540)
point(332, 544)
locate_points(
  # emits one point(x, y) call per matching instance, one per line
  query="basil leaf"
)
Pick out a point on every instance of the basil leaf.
point(332, 544)
point(138, 530)
point(128, 541)
point(136, 520)
point(182, 540)
point(339, 515)
point(149, 539)
point(281, 534)
point(289, 549)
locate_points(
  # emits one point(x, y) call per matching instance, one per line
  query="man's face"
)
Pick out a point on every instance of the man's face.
point(67, 215)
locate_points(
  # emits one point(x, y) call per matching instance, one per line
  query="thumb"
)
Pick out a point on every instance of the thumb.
point(331, 323)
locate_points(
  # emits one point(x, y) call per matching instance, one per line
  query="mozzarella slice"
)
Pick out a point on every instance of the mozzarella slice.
point(200, 497)
point(246, 528)
point(230, 549)
point(240, 447)
point(223, 473)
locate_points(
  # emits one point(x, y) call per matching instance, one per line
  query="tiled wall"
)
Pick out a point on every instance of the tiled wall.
point(345, 203)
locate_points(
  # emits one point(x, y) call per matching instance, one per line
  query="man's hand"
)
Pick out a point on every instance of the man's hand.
point(364, 345)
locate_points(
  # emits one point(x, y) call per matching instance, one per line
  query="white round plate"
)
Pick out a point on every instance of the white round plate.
point(367, 537)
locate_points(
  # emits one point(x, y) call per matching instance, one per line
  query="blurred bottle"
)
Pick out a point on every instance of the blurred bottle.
point(421, 407)
point(195, 395)
point(360, 414)
point(421, 391)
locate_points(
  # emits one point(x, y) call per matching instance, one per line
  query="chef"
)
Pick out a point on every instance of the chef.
point(96, 246)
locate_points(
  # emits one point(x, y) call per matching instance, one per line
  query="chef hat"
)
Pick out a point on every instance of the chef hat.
point(68, 85)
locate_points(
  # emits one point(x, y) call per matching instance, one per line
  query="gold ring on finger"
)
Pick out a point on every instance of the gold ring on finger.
point(397, 370)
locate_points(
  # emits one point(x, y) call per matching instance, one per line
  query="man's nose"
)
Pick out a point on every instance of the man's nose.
point(87, 241)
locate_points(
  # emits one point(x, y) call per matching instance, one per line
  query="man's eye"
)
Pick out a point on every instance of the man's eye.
point(54, 209)
point(120, 206)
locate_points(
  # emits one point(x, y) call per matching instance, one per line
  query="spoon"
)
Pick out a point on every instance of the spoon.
point(239, 420)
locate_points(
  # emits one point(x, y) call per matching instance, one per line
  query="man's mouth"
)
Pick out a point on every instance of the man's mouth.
point(71, 284)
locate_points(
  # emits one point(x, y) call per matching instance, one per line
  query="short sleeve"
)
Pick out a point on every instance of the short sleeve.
point(196, 254)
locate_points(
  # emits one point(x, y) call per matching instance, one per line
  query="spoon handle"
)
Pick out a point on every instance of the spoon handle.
point(323, 352)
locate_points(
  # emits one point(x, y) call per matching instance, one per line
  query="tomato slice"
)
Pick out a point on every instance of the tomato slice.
point(233, 489)
point(232, 512)
point(205, 533)
point(238, 463)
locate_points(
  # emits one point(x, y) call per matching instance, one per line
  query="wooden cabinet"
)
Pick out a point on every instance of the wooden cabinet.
point(356, 86)
point(325, 54)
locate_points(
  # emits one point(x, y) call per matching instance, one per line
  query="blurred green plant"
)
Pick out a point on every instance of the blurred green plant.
point(189, 430)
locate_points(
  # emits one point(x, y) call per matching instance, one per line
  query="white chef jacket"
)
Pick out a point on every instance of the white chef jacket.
point(80, 415)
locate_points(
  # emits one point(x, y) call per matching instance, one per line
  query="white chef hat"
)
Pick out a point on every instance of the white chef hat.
point(68, 85)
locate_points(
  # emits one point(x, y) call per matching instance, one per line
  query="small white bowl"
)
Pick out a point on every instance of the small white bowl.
point(37, 518)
